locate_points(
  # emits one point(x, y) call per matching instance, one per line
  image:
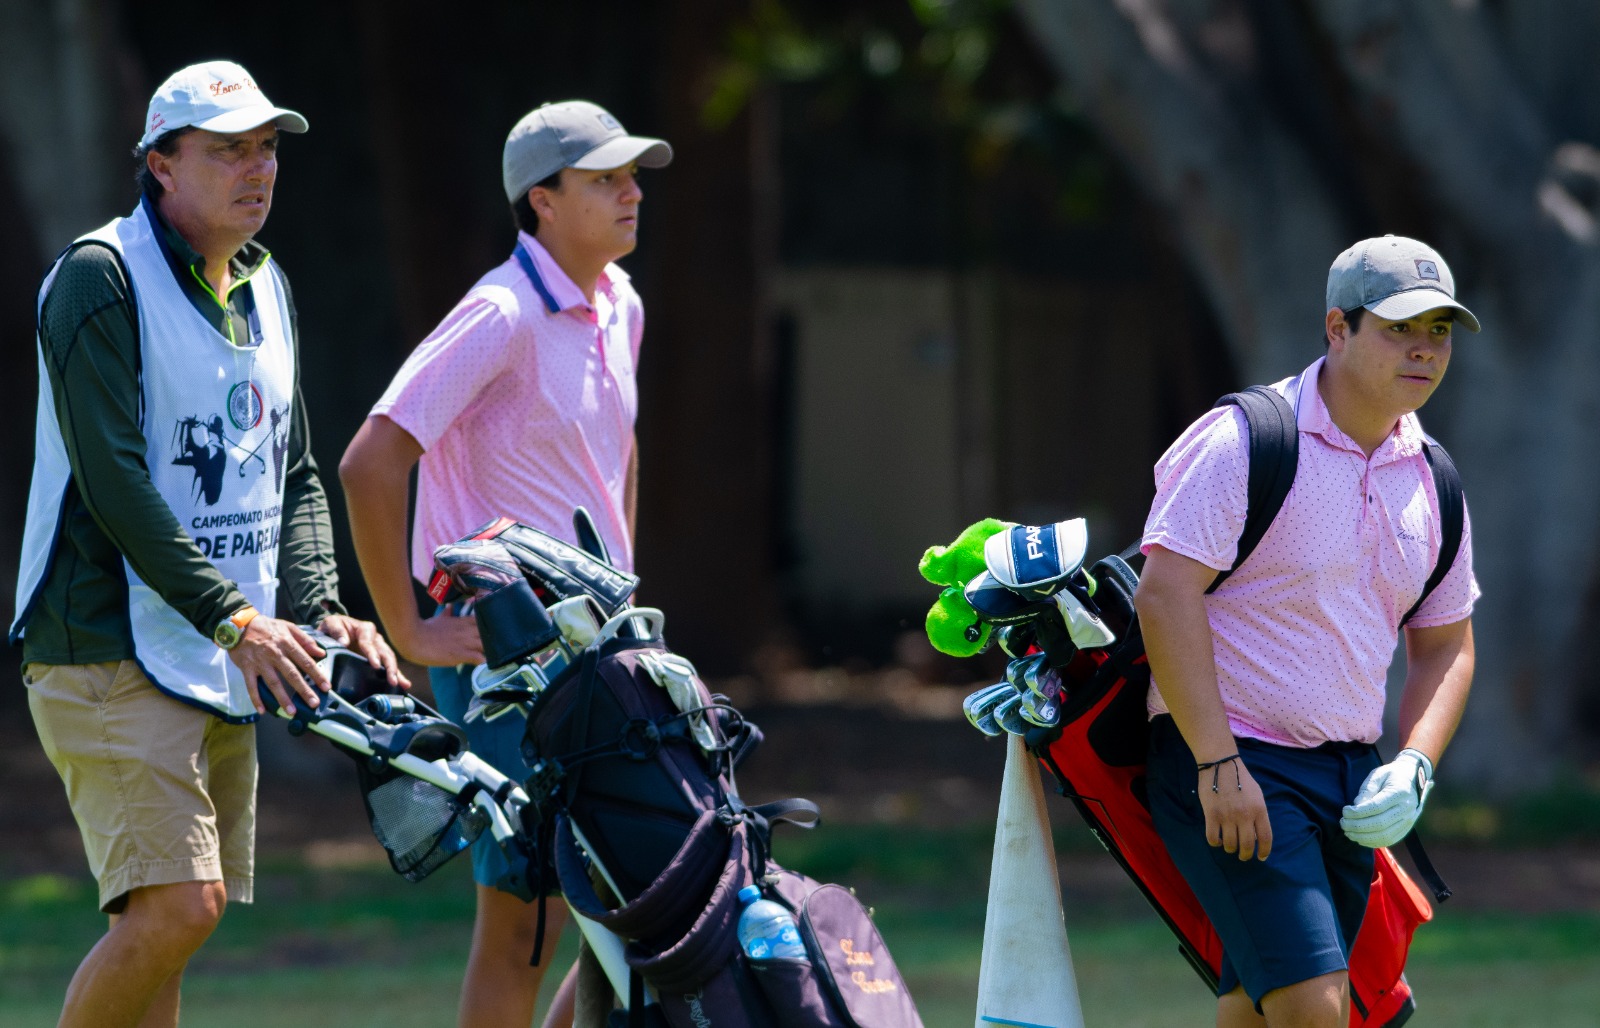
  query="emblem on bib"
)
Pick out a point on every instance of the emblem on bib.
point(204, 445)
point(244, 406)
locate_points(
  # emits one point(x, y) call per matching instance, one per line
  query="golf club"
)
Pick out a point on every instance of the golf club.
point(979, 707)
point(1008, 715)
point(1015, 640)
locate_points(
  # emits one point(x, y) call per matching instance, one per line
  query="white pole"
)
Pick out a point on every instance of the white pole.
point(1026, 979)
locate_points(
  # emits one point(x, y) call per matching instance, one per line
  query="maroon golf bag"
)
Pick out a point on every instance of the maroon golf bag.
point(634, 809)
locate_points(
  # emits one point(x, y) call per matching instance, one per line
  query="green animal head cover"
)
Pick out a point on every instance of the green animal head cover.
point(951, 618)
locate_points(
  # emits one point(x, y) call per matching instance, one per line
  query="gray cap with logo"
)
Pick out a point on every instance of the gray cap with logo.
point(572, 134)
point(1395, 278)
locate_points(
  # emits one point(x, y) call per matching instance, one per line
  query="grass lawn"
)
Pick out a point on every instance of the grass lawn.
point(358, 946)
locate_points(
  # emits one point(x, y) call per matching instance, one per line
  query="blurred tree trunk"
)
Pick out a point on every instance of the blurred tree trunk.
point(60, 176)
point(66, 157)
point(1277, 134)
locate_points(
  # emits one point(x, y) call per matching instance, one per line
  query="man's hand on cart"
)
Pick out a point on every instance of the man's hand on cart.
point(282, 655)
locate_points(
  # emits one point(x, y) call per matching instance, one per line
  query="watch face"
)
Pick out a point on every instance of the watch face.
point(226, 635)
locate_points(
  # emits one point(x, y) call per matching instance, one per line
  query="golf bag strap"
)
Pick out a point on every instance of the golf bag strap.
point(1424, 864)
point(761, 817)
point(1452, 518)
point(1274, 454)
point(588, 671)
point(1425, 868)
point(544, 837)
point(798, 812)
point(538, 930)
point(636, 999)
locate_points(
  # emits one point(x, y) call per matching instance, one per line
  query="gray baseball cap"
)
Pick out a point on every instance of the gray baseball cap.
point(1395, 278)
point(572, 134)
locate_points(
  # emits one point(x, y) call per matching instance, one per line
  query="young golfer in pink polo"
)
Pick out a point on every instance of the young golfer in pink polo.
point(1268, 694)
point(520, 404)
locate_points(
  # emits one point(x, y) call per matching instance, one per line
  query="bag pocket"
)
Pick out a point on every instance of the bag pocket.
point(796, 993)
point(852, 981)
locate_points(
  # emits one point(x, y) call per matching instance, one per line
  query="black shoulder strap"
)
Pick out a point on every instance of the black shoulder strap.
point(1274, 453)
point(1452, 518)
point(1425, 868)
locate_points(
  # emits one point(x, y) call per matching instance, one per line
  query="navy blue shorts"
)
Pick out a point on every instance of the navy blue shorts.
point(498, 742)
point(1295, 915)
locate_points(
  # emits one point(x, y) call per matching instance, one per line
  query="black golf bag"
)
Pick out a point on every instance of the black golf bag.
point(633, 807)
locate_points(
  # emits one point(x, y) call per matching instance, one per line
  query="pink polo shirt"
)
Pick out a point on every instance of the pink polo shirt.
point(1305, 630)
point(523, 400)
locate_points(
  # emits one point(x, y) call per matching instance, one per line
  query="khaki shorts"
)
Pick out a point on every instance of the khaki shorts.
point(163, 792)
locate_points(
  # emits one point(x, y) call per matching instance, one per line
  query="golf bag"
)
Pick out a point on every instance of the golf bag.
point(633, 805)
point(1096, 749)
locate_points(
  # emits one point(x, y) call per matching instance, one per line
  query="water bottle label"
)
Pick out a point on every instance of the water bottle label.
point(759, 949)
point(790, 936)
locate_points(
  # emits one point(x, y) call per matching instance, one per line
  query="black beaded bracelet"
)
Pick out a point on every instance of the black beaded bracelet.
point(1215, 767)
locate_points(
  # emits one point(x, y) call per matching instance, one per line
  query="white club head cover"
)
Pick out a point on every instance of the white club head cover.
point(1087, 630)
point(1390, 800)
point(1034, 559)
point(678, 677)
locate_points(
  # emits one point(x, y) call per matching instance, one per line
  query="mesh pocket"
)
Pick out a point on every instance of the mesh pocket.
point(420, 825)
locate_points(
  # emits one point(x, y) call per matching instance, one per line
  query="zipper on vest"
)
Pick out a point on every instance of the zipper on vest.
point(221, 300)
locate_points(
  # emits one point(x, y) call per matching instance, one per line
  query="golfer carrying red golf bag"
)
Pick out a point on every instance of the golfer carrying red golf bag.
point(1267, 693)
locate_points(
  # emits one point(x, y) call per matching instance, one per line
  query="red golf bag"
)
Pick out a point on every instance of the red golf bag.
point(1097, 757)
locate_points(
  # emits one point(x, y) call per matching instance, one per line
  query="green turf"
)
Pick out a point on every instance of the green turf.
point(360, 947)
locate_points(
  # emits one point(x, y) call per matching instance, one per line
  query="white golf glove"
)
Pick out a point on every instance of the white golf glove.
point(1390, 801)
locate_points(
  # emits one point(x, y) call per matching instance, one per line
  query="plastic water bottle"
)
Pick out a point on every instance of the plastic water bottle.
point(767, 930)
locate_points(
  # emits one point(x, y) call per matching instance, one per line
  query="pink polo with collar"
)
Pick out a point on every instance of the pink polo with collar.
point(1305, 630)
point(523, 400)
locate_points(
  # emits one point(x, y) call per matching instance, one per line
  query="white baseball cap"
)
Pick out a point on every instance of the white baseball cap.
point(218, 96)
point(1395, 278)
point(572, 134)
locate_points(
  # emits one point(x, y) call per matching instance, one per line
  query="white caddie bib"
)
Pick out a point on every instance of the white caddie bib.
point(216, 425)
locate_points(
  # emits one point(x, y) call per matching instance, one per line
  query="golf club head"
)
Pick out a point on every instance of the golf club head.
point(1041, 703)
point(481, 709)
point(1039, 687)
point(1083, 625)
point(1024, 671)
point(979, 707)
point(515, 683)
point(1008, 715)
point(1015, 640)
point(1039, 713)
point(1041, 680)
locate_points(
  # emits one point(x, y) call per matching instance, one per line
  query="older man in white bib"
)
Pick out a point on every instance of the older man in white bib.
point(173, 493)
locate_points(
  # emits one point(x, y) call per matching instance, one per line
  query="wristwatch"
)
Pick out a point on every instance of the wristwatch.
point(231, 629)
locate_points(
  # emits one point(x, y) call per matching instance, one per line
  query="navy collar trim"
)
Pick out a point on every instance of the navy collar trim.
point(532, 271)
